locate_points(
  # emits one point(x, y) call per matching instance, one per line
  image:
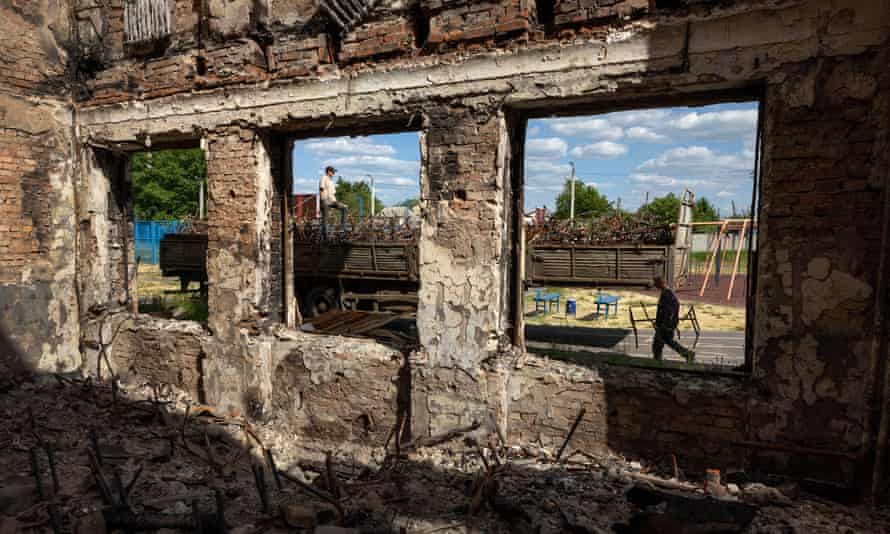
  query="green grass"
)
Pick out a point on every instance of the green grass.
point(193, 306)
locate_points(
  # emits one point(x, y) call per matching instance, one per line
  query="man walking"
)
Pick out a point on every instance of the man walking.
point(666, 320)
point(327, 193)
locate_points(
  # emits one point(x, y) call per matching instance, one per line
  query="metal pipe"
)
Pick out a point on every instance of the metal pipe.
point(572, 195)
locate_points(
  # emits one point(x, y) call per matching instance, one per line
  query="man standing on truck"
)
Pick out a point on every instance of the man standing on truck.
point(328, 196)
point(667, 317)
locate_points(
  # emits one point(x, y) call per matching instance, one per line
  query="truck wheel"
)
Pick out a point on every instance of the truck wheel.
point(321, 300)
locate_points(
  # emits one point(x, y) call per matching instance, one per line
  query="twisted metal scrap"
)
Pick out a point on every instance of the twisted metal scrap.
point(608, 230)
point(355, 230)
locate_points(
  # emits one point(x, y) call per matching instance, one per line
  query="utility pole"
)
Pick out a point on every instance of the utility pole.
point(372, 195)
point(572, 202)
point(201, 201)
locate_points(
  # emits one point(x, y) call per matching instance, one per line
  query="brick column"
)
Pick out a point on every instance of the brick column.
point(819, 246)
point(462, 272)
point(240, 201)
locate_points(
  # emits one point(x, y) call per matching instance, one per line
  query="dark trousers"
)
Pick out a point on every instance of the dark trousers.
point(325, 206)
point(665, 336)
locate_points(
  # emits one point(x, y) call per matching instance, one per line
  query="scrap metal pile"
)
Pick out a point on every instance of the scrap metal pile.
point(607, 230)
point(359, 230)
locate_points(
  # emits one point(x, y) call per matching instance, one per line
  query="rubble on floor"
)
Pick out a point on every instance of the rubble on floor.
point(151, 459)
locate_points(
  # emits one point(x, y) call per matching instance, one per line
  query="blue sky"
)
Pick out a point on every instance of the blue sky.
point(393, 160)
point(709, 150)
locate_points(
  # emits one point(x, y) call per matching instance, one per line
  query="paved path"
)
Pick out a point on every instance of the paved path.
point(714, 347)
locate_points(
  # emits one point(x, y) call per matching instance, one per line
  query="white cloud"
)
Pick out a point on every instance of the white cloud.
point(349, 146)
point(397, 182)
point(724, 194)
point(540, 167)
point(551, 147)
point(642, 117)
point(533, 131)
point(587, 127)
point(698, 161)
point(354, 167)
point(641, 133)
point(661, 180)
point(603, 149)
point(717, 124)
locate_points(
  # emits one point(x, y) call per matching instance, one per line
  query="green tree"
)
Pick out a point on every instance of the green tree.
point(166, 183)
point(589, 203)
point(704, 211)
point(349, 193)
point(662, 210)
point(666, 210)
point(408, 203)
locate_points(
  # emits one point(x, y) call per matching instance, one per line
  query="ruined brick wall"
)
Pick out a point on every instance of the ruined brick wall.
point(240, 202)
point(38, 309)
point(336, 389)
point(154, 352)
point(819, 69)
point(643, 413)
point(578, 12)
point(819, 259)
point(455, 21)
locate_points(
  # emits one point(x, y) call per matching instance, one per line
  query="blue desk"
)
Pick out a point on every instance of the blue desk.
point(607, 301)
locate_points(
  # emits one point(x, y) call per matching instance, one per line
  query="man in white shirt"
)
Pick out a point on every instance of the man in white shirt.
point(327, 193)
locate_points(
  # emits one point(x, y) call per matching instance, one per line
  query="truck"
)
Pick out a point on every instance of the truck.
point(184, 255)
point(612, 251)
point(357, 272)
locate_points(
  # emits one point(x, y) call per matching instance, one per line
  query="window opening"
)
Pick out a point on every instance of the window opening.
point(357, 225)
point(614, 201)
point(170, 232)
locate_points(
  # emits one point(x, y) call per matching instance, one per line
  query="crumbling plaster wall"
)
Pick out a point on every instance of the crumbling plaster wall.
point(820, 69)
point(38, 307)
point(241, 194)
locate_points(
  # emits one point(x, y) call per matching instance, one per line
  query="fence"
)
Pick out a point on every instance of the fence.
point(147, 238)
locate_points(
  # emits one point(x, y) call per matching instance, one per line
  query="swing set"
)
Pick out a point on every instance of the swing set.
point(717, 250)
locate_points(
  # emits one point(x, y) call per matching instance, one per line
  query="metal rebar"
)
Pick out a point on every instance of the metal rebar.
point(571, 433)
point(260, 479)
point(94, 439)
point(271, 460)
point(35, 468)
point(119, 487)
point(51, 458)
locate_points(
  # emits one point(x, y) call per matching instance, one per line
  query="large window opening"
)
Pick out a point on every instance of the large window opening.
point(170, 232)
point(616, 203)
point(357, 225)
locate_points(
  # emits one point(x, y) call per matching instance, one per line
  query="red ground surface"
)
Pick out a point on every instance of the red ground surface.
point(714, 294)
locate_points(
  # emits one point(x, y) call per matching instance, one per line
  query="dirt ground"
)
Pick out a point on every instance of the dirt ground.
point(151, 282)
point(713, 317)
point(134, 456)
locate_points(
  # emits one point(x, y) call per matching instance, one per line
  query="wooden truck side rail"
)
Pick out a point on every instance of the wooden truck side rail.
point(368, 260)
point(568, 263)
